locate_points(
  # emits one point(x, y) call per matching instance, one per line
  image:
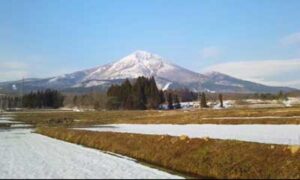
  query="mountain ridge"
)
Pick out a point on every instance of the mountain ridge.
point(142, 63)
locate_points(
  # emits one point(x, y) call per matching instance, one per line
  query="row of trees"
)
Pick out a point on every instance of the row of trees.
point(203, 102)
point(141, 94)
point(53, 99)
point(93, 100)
point(269, 96)
point(173, 100)
point(43, 99)
point(185, 94)
point(144, 94)
point(40, 99)
point(9, 102)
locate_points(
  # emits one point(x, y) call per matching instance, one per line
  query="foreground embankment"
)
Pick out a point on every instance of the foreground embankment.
point(201, 157)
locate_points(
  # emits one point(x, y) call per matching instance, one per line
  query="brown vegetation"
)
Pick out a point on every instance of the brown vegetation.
point(198, 157)
point(203, 116)
point(91, 100)
point(60, 121)
point(5, 125)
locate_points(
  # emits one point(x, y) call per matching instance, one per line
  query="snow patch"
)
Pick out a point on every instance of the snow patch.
point(285, 134)
point(30, 156)
point(291, 101)
point(14, 87)
point(166, 86)
point(226, 104)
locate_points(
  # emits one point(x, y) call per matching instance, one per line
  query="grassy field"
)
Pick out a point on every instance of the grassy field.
point(205, 116)
point(196, 157)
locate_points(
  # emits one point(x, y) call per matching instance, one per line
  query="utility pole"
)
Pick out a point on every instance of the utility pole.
point(199, 99)
point(199, 93)
point(22, 91)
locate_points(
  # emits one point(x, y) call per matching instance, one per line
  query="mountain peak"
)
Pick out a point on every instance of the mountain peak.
point(143, 63)
point(142, 55)
point(214, 73)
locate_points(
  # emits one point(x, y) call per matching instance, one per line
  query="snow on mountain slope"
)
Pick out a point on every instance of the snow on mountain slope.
point(142, 63)
point(217, 81)
point(137, 64)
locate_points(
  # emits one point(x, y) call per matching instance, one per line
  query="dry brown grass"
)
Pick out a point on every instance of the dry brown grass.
point(5, 125)
point(294, 149)
point(164, 117)
point(198, 157)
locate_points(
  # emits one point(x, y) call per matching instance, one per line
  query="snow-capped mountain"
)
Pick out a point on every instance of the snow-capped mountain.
point(142, 63)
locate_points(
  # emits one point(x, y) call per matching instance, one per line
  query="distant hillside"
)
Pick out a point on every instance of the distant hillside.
point(141, 63)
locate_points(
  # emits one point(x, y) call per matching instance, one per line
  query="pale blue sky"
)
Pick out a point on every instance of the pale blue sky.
point(41, 38)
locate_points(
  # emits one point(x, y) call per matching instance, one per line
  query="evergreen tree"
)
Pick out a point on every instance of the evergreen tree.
point(9, 103)
point(113, 103)
point(203, 102)
point(177, 102)
point(142, 94)
point(75, 99)
point(139, 92)
point(282, 96)
point(162, 98)
point(114, 92)
point(40, 99)
point(129, 103)
point(126, 90)
point(170, 101)
point(221, 100)
point(153, 97)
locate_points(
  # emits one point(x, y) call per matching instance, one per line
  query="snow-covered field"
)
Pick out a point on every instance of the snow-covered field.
point(292, 101)
point(270, 134)
point(249, 103)
point(254, 117)
point(27, 155)
point(7, 119)
point(20, 125)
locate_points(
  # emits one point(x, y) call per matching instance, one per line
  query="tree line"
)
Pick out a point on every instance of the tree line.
point(43, 99)
point(141, 94)
point(268, 96)
point(92, 100)
point(144, 94)
point(184, 94)
point(9, 102)
point(39, 99)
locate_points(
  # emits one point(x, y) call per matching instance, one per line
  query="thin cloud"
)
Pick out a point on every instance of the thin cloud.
point(210, 52)
point(13, 70)
point(10, 75)
point(292, 39)
point(269, 72)
point(13, 65)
